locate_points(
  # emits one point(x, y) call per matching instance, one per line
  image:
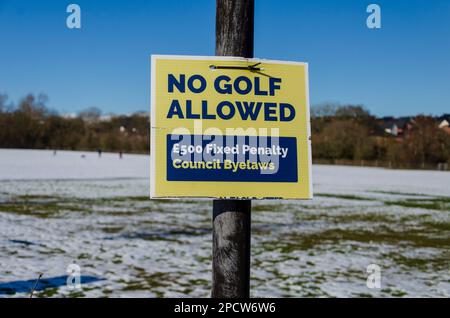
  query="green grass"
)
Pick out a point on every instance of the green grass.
point(414, 237)
point(345, 197)
point(43, 206)
point(261, 207)
point(40, 210)
point(402, 193)
point(435, 203)
point(436, 263)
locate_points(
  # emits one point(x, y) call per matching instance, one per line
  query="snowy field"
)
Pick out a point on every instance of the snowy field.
point(77, 207)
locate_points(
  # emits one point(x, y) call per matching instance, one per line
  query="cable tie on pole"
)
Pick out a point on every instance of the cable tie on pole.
point(253, 67)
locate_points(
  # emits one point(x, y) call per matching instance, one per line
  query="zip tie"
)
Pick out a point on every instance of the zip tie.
point(248, 68)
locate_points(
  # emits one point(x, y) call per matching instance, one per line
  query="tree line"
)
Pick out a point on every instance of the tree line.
point(346, 134)
point(350, 134)
point(31, 124)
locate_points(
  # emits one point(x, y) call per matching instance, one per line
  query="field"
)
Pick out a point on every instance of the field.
point(75, 207)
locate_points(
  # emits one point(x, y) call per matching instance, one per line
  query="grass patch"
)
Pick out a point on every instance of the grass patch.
point(436, 203)
point(402, 193)
point(268, 207)
point(150, 281)
point(44, 206)
point(345, 197)
point(40, 210)
point(437, 263)
point(381, 235)
point(112, 230)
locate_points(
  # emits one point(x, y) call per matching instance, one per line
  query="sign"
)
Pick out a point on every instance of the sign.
point(227, 127)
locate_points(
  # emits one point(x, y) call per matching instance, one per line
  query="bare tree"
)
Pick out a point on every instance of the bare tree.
point(91, 114)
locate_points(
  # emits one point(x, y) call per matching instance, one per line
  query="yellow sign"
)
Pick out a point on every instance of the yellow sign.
point(226, 127)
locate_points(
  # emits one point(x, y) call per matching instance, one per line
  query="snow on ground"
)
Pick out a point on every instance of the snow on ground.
point(18, 164)
point(74, 207)
point(348, 178)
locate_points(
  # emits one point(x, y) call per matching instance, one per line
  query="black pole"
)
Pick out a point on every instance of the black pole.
point(232, 218)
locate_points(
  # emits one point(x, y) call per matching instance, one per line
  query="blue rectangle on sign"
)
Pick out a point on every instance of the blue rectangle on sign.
point(231, 158)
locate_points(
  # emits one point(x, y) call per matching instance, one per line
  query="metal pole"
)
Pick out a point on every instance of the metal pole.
point(232, 218)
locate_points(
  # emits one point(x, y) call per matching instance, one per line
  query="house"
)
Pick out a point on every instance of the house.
point(395, 126)
point(444, 123)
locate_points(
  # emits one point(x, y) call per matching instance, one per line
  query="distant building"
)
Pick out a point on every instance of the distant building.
point(106, 118)
point(395, 126)
point(444, 123)
point(69, 115)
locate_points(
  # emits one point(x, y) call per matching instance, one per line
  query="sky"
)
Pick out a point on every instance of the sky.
point(401, 69)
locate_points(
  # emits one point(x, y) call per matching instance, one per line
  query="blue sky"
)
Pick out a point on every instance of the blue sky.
point(401, 69)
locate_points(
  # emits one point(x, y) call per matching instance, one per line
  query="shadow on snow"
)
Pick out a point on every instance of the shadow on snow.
point(25, 286)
